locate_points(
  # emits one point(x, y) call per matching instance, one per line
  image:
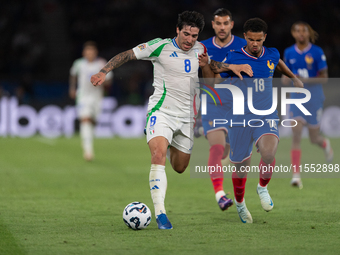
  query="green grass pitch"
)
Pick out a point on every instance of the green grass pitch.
point(53, 202)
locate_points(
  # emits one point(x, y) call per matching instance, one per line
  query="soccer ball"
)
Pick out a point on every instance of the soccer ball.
point(137, 215)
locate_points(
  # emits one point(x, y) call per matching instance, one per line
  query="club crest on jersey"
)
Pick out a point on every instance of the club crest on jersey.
point(142, 46)
point(309, 59)
point(270, 65)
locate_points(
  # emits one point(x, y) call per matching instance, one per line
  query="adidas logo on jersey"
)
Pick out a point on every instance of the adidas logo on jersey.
point(174, 54)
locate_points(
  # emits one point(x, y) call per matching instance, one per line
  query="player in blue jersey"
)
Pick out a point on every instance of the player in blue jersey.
point(255, 128)
point(308, 62)
point(218, 46)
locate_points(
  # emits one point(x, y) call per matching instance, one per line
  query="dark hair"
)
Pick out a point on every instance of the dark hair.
point(190, 18)
point(255, 25)
point(312, 33)
point(222, 12)
point(90, 44)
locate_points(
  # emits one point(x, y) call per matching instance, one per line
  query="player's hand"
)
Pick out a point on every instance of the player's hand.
point(203, 60)
point(237, 69)
point(72, 93)
point(297, 83)
point(98, 78)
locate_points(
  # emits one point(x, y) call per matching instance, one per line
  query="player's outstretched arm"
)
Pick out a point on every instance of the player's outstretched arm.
point(283, 68)
point(123, 57)
point(210, 77)
point(219, 67)
point(203, 61)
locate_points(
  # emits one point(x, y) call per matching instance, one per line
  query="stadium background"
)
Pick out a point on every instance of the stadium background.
point(41, 38)
point(54, 202)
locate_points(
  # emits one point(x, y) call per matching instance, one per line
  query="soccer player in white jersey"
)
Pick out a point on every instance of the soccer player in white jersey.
point(169, 119)
point(88, 98)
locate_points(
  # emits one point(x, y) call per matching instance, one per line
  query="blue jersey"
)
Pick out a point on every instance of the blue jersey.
point(306, 64)
point(217, 52)
point(261, 83)
point(243, 136)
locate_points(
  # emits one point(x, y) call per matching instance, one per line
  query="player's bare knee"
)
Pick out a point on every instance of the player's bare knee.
point(241, 174)
point(157, 157)
point(314, 139)
point(268, 157)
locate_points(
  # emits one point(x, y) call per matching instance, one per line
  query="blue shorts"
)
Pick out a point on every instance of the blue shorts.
point(242, 139)
point(217, 111)
point(315, 108)
point(214, 112)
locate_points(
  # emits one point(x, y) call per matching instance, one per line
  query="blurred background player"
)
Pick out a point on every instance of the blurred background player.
point(308, 62)
point(218, 46)
point(169, 124)
point(88, 98)
point(265, 136)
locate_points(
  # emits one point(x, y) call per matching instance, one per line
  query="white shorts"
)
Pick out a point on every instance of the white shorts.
point(178, 133)
point(89, 107)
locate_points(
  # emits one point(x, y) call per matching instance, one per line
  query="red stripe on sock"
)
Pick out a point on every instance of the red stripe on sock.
point(218, 184)
point(295, 156)
point(214, 162)
point(239, 186)
point(324, 144)
point(266, 172)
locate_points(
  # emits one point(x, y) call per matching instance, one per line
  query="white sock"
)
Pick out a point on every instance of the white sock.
point(296, 176)
point(86, 134)
point(219, 194)
point(158, 184)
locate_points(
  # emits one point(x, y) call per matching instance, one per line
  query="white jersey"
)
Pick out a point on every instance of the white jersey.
point(84, 69)
point(175, 77)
